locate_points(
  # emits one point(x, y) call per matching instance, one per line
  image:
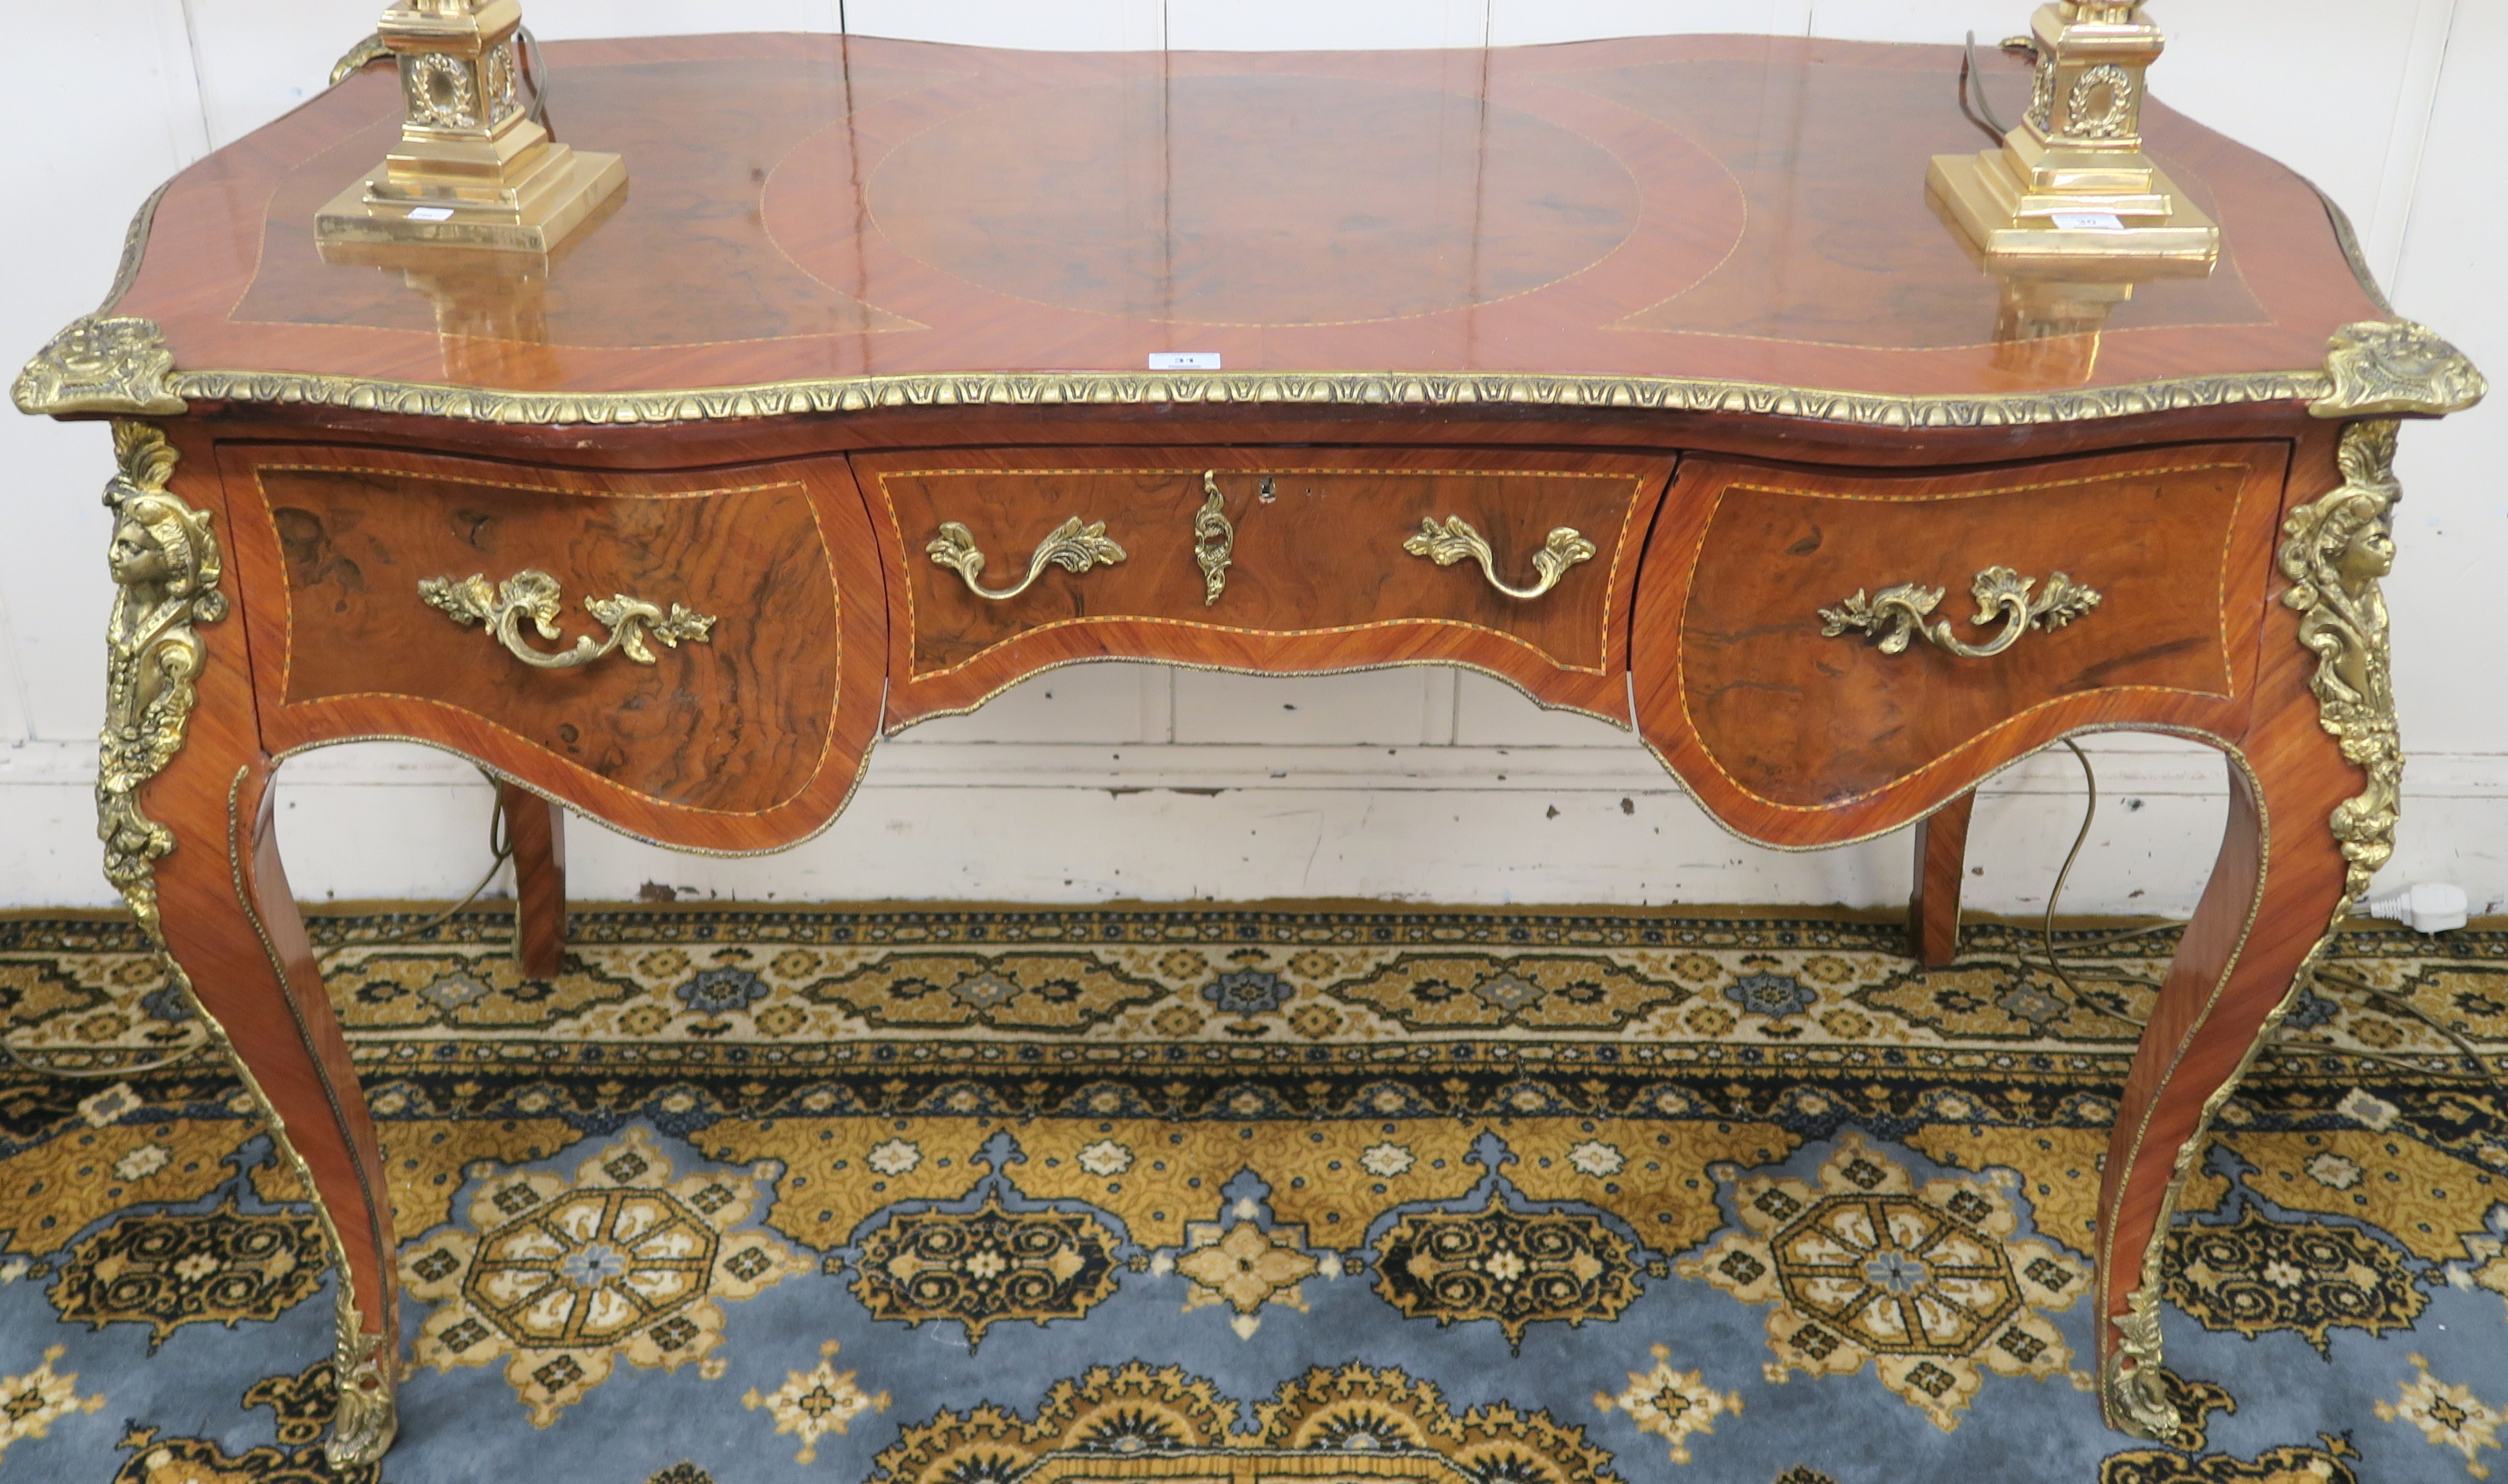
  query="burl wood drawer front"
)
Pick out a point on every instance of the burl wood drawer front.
point(1316, 574)
point(756, 646)
point(1790, 650)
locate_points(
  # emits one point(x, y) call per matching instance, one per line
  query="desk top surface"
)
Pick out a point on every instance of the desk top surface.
point(1727, 209)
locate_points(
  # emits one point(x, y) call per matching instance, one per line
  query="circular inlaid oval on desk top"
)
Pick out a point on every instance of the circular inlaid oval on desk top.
point(1253, 199)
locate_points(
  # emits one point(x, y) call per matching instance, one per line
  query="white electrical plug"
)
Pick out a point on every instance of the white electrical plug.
point(2424, 906)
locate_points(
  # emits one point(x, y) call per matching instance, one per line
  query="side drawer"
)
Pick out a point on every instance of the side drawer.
point(726, 684)
point(1326, 566)
point(1815, 640)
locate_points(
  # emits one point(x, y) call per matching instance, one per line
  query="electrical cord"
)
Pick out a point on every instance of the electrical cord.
point(535, 70)
point(501, 848)
point(2394, 1002)
point(2046, 956)
point(1973, 101)
point(2282, 1043)
point(24, 1063)
point(1981, 110)
point(2046, 924)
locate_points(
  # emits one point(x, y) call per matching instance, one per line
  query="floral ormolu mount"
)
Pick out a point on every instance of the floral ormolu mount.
point(535, 594)
point(1896, 615)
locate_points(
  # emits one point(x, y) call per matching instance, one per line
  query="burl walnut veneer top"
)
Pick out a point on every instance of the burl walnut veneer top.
point(1720, 207)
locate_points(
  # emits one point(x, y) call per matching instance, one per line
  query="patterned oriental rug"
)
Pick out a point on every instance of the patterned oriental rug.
point(973, 1196)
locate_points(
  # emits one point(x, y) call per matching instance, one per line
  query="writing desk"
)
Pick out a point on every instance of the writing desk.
point(1638, 374)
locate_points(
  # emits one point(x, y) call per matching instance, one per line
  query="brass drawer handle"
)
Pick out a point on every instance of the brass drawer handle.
point(1214, 538)
point(1895, 615)
point(1073, 547)
point(1451, 542)
point(535, 595)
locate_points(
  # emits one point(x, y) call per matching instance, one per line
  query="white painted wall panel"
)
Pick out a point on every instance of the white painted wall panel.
point(259, 59)
point(1492, 713)
point(1136, 780)
point(101, 101)
point(1337, 26)
point(1046, 25)
point(2338, 91)
point(14, 699)
point(565, 19)
point(1100, 702)
point(1926, 20)
point(1475, 830)
point(1526, 23)
point(1055, 821)
point(1391, 707)
point(2451, 676)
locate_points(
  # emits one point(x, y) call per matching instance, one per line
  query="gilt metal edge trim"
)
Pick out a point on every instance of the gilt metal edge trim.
point(135, 246)
point(132, 384)
point(103, 362)
point(2349, 240)
point(860, 394)
point(2135, 1402)
point(119, 364)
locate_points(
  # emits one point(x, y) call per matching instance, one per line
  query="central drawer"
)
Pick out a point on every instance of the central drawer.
point(1305, 560)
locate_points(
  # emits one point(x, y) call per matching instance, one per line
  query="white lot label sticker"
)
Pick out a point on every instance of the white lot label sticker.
point(2088, 221)
point(1184, 360)
point(430, 213)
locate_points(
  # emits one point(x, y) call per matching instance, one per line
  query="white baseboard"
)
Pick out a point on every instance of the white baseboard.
point(1072, 822)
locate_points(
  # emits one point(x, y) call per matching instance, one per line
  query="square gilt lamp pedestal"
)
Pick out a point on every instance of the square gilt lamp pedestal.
point(476, 166)
point(2071, 184)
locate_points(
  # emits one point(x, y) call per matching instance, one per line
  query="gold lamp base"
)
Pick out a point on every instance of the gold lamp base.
point(476, 165)
point(532, 215)
point(2071, 184)
point(2011, 223)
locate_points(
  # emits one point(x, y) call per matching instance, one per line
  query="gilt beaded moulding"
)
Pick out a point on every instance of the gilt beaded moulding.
point(121, 365)
point(130, 380)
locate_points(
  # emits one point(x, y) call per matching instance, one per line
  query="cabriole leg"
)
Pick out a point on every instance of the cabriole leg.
point(536, 829)
point(1941, 861)
point(2314, 792)
point(184, 810)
